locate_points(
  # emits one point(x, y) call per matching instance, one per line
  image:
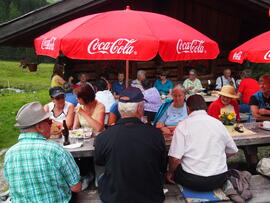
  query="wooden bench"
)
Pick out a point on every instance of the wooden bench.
point(260, 187)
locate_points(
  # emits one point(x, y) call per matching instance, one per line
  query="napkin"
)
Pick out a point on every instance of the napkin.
point(73, 146)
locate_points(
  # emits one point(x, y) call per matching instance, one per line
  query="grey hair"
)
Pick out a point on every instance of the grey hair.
point(227, 69)
point(141, 72)
point(128, 109)
point(193, 71)
point(246, 73)
point(179, 87)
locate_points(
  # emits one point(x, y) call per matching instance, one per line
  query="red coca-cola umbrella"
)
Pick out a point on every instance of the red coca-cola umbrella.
point(126, 35)
point(255, 50)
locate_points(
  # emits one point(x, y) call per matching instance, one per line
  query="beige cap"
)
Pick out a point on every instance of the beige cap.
point(30, 114)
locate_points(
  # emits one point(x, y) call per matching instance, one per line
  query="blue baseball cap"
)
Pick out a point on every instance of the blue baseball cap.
point(132, 95)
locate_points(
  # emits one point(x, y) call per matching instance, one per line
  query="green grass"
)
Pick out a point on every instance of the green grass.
point(11, 75)
point(36, 85)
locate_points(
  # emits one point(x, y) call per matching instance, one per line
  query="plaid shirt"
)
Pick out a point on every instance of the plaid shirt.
point(39, 170)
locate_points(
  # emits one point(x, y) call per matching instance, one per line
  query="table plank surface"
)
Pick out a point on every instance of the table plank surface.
point(87, 150)
point(262, 137)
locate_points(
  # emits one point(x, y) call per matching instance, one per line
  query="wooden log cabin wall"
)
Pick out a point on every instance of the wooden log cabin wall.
point(223, 21)
point(228, 22)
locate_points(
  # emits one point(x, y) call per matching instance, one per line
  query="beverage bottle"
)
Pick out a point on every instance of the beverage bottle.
point(65, 133)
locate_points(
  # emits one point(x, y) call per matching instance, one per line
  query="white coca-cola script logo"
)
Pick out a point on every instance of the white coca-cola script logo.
point(195, 46)
point(119, 46)
point(267, 55)
point(48, 43)
point(237, 55)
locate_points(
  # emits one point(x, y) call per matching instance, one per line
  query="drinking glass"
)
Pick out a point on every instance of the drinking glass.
point(252, 122)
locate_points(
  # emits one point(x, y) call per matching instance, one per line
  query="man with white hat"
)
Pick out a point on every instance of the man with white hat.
point(39, 170)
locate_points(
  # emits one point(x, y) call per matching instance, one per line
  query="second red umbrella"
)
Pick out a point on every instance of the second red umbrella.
point(255, 50)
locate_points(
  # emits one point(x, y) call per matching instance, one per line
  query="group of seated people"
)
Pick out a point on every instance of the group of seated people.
point(98, 104)
point(132, 152)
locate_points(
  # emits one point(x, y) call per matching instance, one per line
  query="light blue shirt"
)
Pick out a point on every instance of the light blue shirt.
point(173, 115)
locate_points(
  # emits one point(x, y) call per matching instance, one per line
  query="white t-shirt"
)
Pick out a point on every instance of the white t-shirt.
point(201, 142)
point(106, 98)
point(62, 116)
point(222, 81)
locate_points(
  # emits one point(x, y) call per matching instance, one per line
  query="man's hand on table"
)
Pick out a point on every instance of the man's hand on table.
point(264, 112)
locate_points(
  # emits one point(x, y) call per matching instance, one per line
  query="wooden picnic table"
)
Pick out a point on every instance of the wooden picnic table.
point(209, 98)
point(262, 137)
point(86, 150)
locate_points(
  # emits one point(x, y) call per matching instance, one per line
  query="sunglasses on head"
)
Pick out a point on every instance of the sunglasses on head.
point(59, 97)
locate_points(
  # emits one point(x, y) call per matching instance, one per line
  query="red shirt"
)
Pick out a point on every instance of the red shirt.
point(214, 108)
point(248, 87)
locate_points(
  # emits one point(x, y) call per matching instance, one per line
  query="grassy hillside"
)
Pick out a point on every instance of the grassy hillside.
point(35, 84)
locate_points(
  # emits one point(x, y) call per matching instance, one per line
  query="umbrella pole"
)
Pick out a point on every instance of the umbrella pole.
point(127, 73)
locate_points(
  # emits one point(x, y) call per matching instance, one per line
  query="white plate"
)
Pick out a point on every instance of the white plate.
point(81, 133)
point(264, 128)
point(73, 146)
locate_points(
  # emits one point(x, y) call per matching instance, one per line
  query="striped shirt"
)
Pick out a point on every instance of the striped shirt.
point(39, 170)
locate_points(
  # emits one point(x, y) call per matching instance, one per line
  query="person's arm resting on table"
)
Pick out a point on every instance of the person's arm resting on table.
point(259, 114)
point(161, 121)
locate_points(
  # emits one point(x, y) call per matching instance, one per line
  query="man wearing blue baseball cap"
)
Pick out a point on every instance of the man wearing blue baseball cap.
point(133, 154)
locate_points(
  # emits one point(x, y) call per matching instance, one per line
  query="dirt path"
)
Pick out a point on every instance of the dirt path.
point(3, 183)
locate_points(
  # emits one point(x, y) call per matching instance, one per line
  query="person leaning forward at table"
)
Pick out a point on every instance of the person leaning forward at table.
point(225, 103)
point(260, 108)
point(173, 111)
point(59, 110)
point(192, 84)
point(36, 169)
point(199, 147)
point(133, 154)
point(260, 101)
point(89, 112)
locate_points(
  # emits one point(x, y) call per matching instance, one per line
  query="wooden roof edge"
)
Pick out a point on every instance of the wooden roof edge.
point(262, 3)
point(30, 13)
point(25, 23)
